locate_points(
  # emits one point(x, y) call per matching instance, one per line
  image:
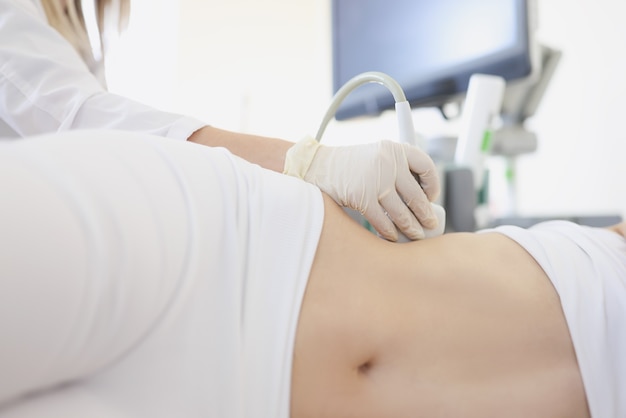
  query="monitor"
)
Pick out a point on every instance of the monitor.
point(431, 47)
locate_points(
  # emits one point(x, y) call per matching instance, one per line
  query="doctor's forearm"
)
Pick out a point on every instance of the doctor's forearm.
point(264, 151)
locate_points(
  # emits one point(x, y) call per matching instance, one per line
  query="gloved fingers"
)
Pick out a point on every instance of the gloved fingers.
point(421, 164)
point(379, 220)
point(415, 198)
point(402, 217)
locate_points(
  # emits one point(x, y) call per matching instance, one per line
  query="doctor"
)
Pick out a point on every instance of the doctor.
point(50, 81)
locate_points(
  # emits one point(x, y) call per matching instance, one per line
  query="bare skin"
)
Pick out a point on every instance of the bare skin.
point(264, 151)
point(464, 325)
point(619, 228)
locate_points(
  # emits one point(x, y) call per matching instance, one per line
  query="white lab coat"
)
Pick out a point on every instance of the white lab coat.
point(46, 87)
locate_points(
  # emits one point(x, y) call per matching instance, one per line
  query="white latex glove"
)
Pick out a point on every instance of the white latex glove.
point(375, 179)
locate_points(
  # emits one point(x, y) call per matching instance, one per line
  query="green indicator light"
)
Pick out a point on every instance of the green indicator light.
point(510, 174)
point(486, 145)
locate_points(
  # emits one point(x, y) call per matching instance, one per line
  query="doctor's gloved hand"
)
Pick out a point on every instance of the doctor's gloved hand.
point(376, 179)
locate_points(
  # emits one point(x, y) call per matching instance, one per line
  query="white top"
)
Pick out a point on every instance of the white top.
point(46, 87)
point(587, 266)
point(148, 277)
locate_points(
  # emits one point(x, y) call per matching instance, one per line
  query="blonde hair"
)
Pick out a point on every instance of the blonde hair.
point(67, 17)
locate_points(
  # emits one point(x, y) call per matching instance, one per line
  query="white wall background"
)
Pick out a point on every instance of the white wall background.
point(263, 66)
point(581, 162)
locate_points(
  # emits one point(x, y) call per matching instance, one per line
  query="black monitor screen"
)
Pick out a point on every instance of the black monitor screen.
point(431, 47)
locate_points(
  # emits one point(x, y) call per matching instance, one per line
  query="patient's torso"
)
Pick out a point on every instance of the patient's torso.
point(457, 326)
